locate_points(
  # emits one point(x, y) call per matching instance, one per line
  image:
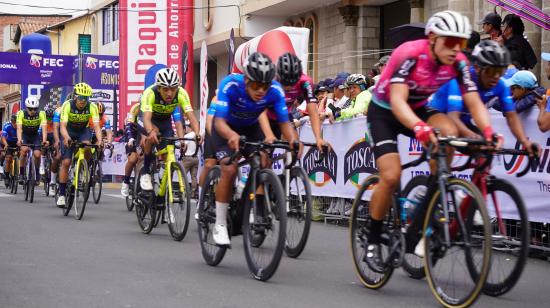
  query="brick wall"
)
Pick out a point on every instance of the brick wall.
point(331, 47)
point(369, 34)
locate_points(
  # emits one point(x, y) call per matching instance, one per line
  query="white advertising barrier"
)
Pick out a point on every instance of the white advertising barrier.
point(114, 165)
point(352, 160)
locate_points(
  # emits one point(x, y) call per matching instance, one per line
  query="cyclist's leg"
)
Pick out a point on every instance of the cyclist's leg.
point(66, 155)
point(445, 125)
point(209, 156)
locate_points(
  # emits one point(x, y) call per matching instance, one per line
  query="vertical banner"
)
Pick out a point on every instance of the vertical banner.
point(184, 64)
point(231, 51)
point(101, 73)
point(150, 33)
point(37, 44)
point(203, 87)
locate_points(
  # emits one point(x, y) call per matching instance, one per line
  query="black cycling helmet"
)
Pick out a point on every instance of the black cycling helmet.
point(258, 67)
point(14, 117)
point(49, 109)
point(490, 53)
point(289, 69)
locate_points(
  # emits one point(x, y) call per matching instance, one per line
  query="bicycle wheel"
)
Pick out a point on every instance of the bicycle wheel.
point(412, 264)
point(359, 232)
point(212, 253)
point(97, 181)
point(69, 197)
point(31, 180)
point(263, 260)
point(510, 236)
point(81, 191)
point(298, 212)
point(178, 208)
point(47, 176)
point(448, 266)
point(145, 208)
point(131, 196)
point(16, 175)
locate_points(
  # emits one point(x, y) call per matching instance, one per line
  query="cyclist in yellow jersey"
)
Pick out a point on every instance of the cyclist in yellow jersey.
point(158, 102)
point(28, 123)
point(133, 131)
point(75, 115)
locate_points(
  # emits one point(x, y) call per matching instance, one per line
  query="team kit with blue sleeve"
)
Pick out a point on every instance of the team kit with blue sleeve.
point(241, 113)
point(449, 98)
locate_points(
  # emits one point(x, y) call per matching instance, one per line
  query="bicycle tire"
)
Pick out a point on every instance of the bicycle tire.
point(82, 191)
point(16, 175)
point(212, 254)
point(412, 264)
point(180, 205)
point(26, 182)
point(433, 251)
point(69, 197)
point(131, 197)
point(273, 212)
point(300, 212)
point(31, 181)
point(521, 252)
point(97, 181)
point(358, 237)
point(145, 208)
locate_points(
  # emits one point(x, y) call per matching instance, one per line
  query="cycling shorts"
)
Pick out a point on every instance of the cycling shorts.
point(209, 149)
point(384, 128)
point(81, 135)
point(253, 133)
point(165, 130)
point(276, 128)
point(12, 145)
point(35, 139)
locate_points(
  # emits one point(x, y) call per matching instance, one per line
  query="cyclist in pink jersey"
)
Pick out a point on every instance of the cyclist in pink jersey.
point(298, 87)
point(415, 71)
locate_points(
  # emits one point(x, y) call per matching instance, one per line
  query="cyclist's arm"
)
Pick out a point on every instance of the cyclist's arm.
point(543, 119)
point(399, 94)
point(209, 123)
point(4, 139)
point(185, 104)
point(63, 130)
point(193, 122)
point(477, 109)
point(108, 130)
point(361, 104)
point(19, 124)
point(180, 131)
point(223, 129)
point(516, 126)
point(263, 120)
point(147, 111)
point(462, 128)
point(43, 124)
point(94, 113)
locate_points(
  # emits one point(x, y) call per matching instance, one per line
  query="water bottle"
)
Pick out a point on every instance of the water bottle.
point(240, 187)
point(419, 195)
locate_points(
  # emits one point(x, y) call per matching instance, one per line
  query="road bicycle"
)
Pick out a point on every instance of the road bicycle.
point(170, 198)
point(76, 194)
point(457, 250)
point(49, 154)
point(509, 224)
point(297, 190)
point(132, 185)
point(29, 180)
point(96, 179)
point(11, 181)
point(263, 229)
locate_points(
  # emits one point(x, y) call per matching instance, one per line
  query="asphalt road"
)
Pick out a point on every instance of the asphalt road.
point(48, 260)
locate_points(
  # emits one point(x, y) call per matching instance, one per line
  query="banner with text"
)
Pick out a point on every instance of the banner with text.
point(101, 73)
point(352, 160)
point(150, 33)
point(35, 69)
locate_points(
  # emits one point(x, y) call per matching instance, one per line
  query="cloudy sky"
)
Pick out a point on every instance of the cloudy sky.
point(43, 6)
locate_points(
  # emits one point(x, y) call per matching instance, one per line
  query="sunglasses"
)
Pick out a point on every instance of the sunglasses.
point(515, 87)
point(254, 85)
point(83, 98)
point(451, 41)
point(32, 109)
point(494, 70)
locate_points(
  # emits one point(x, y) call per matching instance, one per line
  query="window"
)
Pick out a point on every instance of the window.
point(110, 24)
point(84, 43)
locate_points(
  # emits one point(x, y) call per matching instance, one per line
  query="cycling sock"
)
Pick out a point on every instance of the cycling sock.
point(260, 205)
point(375, 231)
point(221, 213)
point(62, 187)
point(147, 159)
point(126, 179)
point(52, 177)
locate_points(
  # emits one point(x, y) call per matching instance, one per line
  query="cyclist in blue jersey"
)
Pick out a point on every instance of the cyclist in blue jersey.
point(56, 162)
point(9, 140)
point(490, 61)
point(242, 100)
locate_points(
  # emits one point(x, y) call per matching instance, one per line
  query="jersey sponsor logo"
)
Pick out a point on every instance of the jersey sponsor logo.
point(229, 85)
point(406, 67)
point(320, 173)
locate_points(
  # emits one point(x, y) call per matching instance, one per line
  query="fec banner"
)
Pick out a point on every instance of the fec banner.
point(101, 73)
point(150, 33)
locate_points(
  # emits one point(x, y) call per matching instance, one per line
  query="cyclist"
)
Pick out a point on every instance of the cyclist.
point(74, 119)
point(158, 103)
point(104, 124)
point(29, 121)
point(57, 159)
point(9, 140)
point(49, 110)
point(242, 99)
point(298, 87)
point(416, 69)
point(133, 131)
point(490, 62)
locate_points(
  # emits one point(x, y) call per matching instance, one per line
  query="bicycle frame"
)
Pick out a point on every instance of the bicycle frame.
point(169, 159)
point(80, 156)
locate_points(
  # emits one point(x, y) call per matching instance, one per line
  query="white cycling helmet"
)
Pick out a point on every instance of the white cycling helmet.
point(167, 77)
point(449, 23)
point(32, 102)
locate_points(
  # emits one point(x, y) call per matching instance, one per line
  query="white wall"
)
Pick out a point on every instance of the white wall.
point(224, 18)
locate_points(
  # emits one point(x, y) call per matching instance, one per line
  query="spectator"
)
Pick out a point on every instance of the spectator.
point(380, 65)
point(472, 42)
point(543, 119)
point(546, 57)
point(490, 25)
point(359, 100)
point(525, 90)
point(520, 49)
point(510, 71)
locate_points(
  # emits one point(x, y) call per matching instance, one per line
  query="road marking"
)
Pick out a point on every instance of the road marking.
point(115, 196)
